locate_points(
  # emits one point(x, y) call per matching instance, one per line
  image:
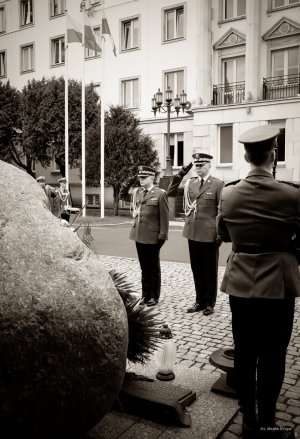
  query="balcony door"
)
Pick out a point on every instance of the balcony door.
point(285, 69)
point(285, 62)
point(233, 74)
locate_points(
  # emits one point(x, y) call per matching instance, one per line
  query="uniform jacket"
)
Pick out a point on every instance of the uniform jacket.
point(264, 212)
point(152, 223)
point(201, 224)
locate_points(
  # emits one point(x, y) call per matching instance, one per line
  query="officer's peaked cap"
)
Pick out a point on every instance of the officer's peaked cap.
point(263, 133)
point(41, 179)
point(145, 171)
point(200, 158)
point(62, 180)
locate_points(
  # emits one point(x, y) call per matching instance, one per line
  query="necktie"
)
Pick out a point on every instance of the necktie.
point(201, 183)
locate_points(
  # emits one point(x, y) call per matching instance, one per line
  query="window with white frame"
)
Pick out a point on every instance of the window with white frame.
point(285, 61)
point(2, 19)
point(176, 149)
point(282, 3)
point(233, 9)
point(130, 33)
point(173, 20)
point(91, 53)
point(93, 199)
point(130, 93)
point(280, 124)
point(26, 12)
point(2, 63)
point(225, 145)
point(233, 77)
point(97, 89)
point(57, 51)
point(57, 7)
point(27, 58)
point(175, 80)
point(233, 70)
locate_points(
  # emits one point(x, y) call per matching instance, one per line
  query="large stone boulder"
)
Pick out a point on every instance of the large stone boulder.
point(63, 326)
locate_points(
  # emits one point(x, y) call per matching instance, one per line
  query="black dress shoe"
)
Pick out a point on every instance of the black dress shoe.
point(152, 302)
point(249, 432)
point(195, 308)
point(208, 310)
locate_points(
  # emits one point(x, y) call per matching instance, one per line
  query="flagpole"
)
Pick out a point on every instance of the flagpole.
point(83, 202)
point(102, 169)
point(66, 105)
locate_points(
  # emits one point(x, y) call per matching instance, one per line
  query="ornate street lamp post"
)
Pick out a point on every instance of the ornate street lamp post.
point(169, 106)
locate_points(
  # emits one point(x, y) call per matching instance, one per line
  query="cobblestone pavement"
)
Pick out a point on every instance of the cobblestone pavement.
point(197, 336)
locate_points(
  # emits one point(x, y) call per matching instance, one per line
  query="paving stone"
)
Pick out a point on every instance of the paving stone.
point(283, 416)
point(293, 410)
point(228, 435)
point(293, 402)
point(235, 428)
point(293, 395)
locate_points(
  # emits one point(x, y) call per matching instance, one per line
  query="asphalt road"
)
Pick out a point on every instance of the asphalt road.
point(113, 240)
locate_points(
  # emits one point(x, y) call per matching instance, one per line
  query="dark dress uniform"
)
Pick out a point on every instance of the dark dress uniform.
point(149, 231)
point(200, 229)
point(261, 216)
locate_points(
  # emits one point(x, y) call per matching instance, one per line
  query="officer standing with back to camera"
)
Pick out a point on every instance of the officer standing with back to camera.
point(261, 216)
point(201, 197)
point(150, 213)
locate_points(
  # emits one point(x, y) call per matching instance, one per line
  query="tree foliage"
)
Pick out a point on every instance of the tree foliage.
point(43, 120)
point(126, 147)
point(11, 127)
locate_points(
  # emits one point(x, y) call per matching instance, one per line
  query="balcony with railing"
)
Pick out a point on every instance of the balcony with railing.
point(279, 87)
point(231, 93)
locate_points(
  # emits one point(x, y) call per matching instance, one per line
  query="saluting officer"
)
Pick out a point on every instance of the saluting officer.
point(201, 197)
point(261, 216)
point(49, 191)
point(150, 213)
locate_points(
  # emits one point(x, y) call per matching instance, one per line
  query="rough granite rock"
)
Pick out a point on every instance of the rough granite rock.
point(63, 326)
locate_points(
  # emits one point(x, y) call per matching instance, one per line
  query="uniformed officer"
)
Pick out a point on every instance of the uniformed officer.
point(150, 213)
point(261, 216)
point(63, 199)
point(201, 197)
point(49, 191)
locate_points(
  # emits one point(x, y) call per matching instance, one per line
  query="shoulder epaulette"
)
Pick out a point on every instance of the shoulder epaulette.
point(232, 183)
point(297, 186)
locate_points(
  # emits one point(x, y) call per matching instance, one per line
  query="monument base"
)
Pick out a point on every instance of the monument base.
point(222, 388)
point(156, 400)
point(226, 384)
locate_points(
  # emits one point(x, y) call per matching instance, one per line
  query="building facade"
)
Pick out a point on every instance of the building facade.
point(238, 61)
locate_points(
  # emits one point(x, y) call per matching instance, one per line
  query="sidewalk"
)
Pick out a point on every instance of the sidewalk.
point(108, 220)
point(197, 336)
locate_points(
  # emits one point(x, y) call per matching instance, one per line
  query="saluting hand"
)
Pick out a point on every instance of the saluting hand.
point(131, 181)
point(185, 169)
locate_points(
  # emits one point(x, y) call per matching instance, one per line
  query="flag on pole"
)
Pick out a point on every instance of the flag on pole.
point(74, 35)
point(90, 39)
point(106, 31)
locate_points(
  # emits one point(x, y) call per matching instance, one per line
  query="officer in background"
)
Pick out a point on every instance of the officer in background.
point(63, 199)
point(261, 216)
point(150, 213)
point(201, 197)
point(49, 191)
